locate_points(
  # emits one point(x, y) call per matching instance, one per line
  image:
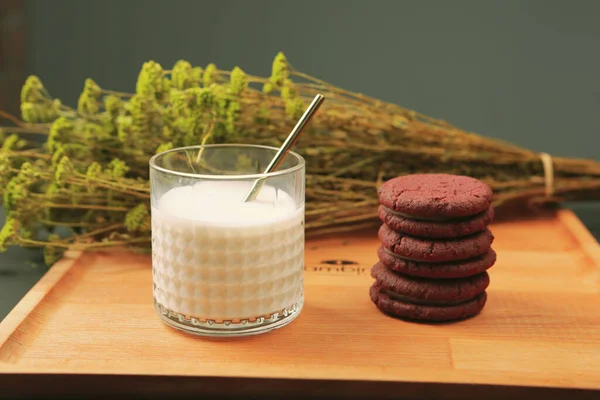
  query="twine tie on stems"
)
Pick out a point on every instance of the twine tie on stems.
point(548, 173)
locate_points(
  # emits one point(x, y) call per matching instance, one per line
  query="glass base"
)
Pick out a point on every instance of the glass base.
point(228, 328)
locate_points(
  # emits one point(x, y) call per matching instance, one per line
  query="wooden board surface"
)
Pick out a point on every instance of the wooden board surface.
point(92, 314)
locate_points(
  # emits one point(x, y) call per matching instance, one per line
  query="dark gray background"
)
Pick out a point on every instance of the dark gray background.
point(525, 71)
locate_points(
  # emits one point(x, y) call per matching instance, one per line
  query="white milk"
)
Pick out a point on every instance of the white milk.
point(216, 257)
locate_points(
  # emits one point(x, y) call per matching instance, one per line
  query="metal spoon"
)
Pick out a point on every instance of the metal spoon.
point(285, 148)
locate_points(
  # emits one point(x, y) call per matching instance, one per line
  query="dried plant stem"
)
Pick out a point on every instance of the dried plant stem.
point(91, 175)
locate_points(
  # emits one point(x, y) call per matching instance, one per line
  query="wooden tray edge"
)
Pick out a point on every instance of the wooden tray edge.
point(156, 387)
point(35, 295)
point(583, 236)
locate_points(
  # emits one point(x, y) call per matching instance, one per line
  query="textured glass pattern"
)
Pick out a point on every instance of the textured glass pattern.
point(215, 273)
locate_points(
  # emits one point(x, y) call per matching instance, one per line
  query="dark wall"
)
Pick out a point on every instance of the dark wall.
point(12, 54)
point(526, 71)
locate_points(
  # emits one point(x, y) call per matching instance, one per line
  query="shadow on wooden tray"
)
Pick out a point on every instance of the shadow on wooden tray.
point(504, 214)
point(514, 213)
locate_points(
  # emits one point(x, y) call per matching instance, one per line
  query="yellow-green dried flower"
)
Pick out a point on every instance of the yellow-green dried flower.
point(280, 71)
point(58, 154)
point(136, 217)
point(11, 142)
point(268, 87)
point(52, 189)
point(137, 105)
point(220, 105)
point(32, 90)
point(206, 97)
point(12, 195)
point(197, 75)
point(117, 168)
point(167, 132)
point(27, 172)
point(167, 114)
point(180, 102)
point(5, 171)
point(30, 112)
point(141, 109)
point(164, 147)
point(87, 105)
point(17, 189)
point(289, 92)
point(294, 108)
point(94, 171)
point(238, 81)
point(181, 75)
point(77, 151)
point(124, 128)
point(40, 112)
point(150, 80)
point(89, 102)
point(8, 233)
point(113, 105)
point(59, 133)
point(167, 85)
point(232, 115)
point(185, 125)
point(26, 233)
point(210, 74)
point(43, 112)
point(63, 170)
point(92, 88)
point(21, 143)
point(190, 137)
point(53, 111)
point(94, 132)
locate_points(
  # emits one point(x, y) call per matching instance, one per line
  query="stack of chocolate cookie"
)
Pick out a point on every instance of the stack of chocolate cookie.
point(435, 247)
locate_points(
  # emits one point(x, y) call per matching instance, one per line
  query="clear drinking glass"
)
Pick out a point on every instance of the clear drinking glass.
point(222, 266)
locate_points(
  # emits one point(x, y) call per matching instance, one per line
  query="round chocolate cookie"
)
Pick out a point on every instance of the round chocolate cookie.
point(402, 309)
point(436, 229)
point(440, 270)
point(435, 195)
point(418, 249)
point(428, 291)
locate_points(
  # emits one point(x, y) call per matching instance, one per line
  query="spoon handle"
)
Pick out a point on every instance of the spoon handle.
point(287, 145)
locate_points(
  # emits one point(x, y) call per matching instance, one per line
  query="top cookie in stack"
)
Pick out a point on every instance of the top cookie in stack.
point(436, 205)
point(434, 236)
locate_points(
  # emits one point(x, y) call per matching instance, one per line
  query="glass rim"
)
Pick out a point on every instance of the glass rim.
point(153, 163)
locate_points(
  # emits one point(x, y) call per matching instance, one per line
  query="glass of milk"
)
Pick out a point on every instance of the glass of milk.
point(222, 266)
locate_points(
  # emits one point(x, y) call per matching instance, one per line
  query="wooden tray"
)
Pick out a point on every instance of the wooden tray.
point(89, 326)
